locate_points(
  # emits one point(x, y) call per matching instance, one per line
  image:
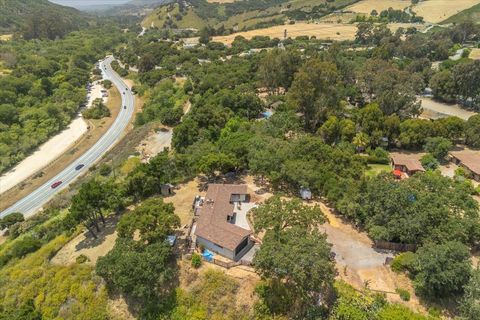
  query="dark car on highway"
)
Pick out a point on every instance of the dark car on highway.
point(80, 166)
point(56, 184)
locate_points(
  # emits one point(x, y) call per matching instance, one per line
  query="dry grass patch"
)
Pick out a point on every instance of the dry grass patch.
point(85, 244)
point(475, 54)
point(5, 37)
point(366, 6)
point(326, 31)
point(439, 10)
point(183, 198)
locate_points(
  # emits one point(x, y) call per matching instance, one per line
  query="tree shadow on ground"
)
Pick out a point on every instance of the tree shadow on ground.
point(109, 228)
point(159, 307)
point(228, 178)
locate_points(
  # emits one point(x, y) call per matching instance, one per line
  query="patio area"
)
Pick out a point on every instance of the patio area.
point(241, 210)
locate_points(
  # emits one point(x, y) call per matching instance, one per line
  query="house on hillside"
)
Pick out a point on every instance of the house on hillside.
point(222, 226)
point(469, 160)
point(407, 163)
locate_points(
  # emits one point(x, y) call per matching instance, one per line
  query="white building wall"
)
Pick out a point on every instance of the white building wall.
point(215, 248)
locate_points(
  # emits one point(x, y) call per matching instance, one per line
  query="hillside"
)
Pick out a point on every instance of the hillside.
point(20, 14)
point(239, 15)
point(472, 14)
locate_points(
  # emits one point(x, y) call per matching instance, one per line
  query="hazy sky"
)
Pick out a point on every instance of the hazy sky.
point(85, 3)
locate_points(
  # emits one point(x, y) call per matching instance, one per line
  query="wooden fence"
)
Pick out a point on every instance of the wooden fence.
point(400, 247)
point(228, 265)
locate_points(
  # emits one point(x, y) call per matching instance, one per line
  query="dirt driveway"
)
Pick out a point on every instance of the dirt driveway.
point(434, 109)
point(359, 264)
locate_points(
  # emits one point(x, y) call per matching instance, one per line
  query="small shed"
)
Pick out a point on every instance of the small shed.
point(305, 193)
point(166, 189)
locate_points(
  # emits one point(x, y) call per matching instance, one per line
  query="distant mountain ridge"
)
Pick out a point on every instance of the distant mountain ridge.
point(147, 2)
point(17, 15)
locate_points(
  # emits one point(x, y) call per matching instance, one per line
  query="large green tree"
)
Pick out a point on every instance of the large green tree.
point(294, 256)
point(140, 271)
point(472, 131)
point(470, 304)
point(153, 219)
point(438, 147)
point(442, 270)
point(316, 92)
point(279, 214)
point(426, 207)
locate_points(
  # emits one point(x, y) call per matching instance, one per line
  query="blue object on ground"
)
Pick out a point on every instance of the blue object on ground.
point(267, 114)
point(171, 240)
point(207, 255)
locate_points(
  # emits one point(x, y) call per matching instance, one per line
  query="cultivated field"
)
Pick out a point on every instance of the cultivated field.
point(438, 10)
point(366, 6)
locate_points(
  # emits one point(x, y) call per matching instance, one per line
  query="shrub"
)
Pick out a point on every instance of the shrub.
point(403, 262)
point(25, 246)
point(97, 111)
point(107, 84)
point(378, 155)
point(105, 169)
point(171, 117)
point(429, 162)
point(438, 147)
point(404, 294)
point(434, 312)
point(82, 259)
point(11, 219)
point(196, 260)
point(460, 172)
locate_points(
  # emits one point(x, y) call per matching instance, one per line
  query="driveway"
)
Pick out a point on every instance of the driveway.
point(435, 109)
point(359, 264)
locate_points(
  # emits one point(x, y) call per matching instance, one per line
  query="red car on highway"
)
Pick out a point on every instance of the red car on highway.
point(56, 184)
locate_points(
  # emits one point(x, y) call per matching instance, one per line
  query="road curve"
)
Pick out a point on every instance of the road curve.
point(35, 200)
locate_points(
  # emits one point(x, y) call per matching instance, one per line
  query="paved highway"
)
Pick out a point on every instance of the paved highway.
point(35, 200)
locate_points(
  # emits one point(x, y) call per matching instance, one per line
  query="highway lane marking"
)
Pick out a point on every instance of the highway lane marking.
point(36, 199)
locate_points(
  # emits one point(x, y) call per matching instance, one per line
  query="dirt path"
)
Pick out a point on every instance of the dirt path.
point(434, 109)
point(359, 264)
point(154, 143)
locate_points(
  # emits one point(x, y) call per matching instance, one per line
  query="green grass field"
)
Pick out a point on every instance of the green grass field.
point(375, 169)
